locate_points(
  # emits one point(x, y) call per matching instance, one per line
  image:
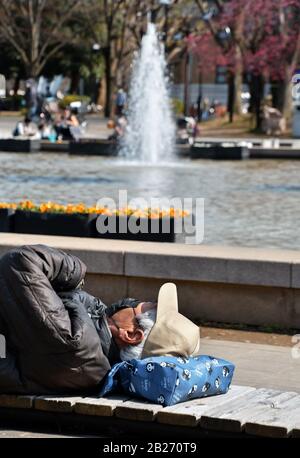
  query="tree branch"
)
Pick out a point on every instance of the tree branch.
point(63, 19)
point(209, 21)
point(50, 54)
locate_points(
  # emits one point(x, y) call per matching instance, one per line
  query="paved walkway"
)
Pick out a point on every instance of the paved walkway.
point(261, 366)
point(96, 126)
point(15, 433)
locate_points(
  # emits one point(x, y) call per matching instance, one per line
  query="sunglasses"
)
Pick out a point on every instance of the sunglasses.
point(134, 316)
point(120, 305)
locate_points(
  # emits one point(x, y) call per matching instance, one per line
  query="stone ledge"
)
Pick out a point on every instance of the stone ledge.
point(200, 263)
point(209, 269)
point(99, 257)
point(295, 275)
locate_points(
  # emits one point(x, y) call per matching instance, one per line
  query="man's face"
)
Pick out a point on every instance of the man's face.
point(124, 326)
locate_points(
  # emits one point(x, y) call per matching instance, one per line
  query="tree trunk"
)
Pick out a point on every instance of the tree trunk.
point(257, 89)
point(16, 105)
point(32, 71)
point(108, 82)
point(75, 77)
point(187, 83)
point(235, 83)
point(287, 94)
point(277, 91)
point(231, 97)
point(35, 54)
point(238, 81)
point(101, 100)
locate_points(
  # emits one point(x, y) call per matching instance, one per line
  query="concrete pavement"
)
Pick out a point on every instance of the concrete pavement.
point(96, 125)
point(23, 434)
point(261, 366)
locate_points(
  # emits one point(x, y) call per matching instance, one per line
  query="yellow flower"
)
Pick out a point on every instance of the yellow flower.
point(52, 207)
point(5, 205)
point(27, 205)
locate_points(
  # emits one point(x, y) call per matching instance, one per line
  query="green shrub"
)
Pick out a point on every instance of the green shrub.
point(13, 102)
point(68, 99)
point(178, 106)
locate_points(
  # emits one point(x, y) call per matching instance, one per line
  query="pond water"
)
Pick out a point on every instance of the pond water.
point(247, 203)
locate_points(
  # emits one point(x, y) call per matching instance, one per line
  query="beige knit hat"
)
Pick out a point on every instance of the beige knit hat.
point(172, 334)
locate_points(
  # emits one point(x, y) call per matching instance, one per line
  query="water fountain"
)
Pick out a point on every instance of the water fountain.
point(150, 134)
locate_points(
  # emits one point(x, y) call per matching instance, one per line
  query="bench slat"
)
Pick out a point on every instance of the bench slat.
point(233, 416)
point(138, 410)
point(278, 421)
point(258, 412)
point(103, 407)
point(189, 413)
point(18, 402)
point(55, 404)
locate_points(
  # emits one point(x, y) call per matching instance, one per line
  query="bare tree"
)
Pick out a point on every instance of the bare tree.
point(120, 27)
point(37, 29)
point(109, 29)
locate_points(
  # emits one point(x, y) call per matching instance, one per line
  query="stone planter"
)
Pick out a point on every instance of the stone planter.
point(6, 220)
point(72, 225)
point(13, 145)
point(127, 228)
point(55, 147)
point(92, 225)
point(218, 152)
point(90, 147)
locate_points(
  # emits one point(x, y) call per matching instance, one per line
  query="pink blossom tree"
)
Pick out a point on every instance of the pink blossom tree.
point(277, 52)
point(264, 43)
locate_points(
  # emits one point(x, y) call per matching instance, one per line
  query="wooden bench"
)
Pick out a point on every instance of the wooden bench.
point(242, 411)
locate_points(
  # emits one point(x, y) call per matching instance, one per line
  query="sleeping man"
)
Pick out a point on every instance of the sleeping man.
point(60, 339)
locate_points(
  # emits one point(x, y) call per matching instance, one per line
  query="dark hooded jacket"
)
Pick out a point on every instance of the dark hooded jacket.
point(52, 344)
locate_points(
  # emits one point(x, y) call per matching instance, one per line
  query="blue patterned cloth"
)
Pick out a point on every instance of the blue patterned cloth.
point(168, 380)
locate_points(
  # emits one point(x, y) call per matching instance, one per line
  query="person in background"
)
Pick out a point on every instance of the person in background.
point(31, 98)
point(199, 108)
point(121, 100)
point(187, 130)
point(205, 109)
point(25, 128)
point(71, 117)
point(119, 128)
point(67, 125)
point(46, 130)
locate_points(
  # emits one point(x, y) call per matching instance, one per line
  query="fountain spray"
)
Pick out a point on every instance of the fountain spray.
point(150, 134)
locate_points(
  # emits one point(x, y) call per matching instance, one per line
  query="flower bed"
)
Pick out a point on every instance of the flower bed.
point(82, 221)
point(72, 225)
point(132, 227)
point(13, 145)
